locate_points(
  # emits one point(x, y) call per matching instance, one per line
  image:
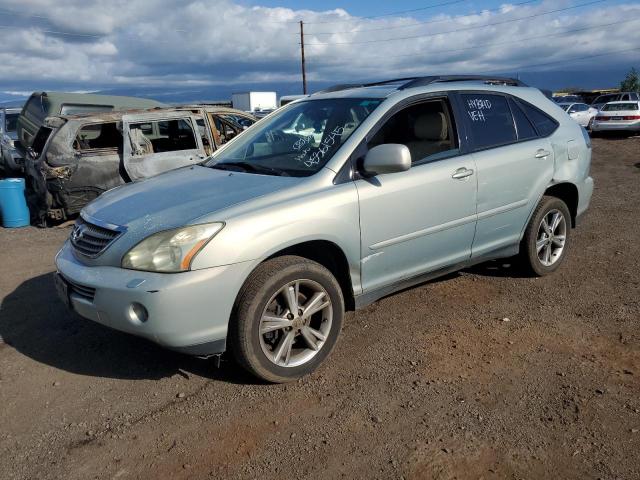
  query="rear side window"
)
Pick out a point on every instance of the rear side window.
point(489, 119)
point(98, 136)
point(73, 109)
point(544, 124)
point(524, 127)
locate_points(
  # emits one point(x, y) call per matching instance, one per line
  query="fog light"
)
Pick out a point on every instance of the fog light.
point(137, 313)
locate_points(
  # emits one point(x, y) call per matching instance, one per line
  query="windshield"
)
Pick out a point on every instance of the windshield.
point(565, 106)
point(619, 107)
point(11, 120)
point(298, 140)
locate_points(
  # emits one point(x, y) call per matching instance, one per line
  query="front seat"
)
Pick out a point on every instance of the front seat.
point(431, 135)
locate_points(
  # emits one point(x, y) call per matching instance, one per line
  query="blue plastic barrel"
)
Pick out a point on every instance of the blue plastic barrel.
point(13, 205)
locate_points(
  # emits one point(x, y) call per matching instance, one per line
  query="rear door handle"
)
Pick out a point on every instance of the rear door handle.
point(461, 173)
point(542, 153)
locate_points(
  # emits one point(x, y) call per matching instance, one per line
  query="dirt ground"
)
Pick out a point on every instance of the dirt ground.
point(483, 374)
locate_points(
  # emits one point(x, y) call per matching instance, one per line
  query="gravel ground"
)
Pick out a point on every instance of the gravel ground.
point(482, 374)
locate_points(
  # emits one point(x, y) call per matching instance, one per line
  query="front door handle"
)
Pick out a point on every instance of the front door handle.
point(542, 153)
point(461, 173)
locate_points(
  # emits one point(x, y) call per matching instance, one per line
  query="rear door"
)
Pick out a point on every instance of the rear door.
point(161, 141)
point(514, 164)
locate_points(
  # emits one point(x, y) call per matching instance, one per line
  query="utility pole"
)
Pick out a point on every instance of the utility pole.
point(304, 73)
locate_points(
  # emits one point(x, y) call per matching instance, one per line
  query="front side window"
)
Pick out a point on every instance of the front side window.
point(297, 140)
point(98, 136)
point(619, 107)
point(489, 119)
point(162, 136)
point(426, 129)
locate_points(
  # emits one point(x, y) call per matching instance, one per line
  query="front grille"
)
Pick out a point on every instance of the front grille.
point(81, 290)
point(91, 240)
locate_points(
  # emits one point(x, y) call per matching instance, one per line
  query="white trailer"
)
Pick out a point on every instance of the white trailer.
point(254, 101)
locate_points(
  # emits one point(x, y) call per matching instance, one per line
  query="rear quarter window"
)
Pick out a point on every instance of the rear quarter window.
point(543, 123)
point(489, 119)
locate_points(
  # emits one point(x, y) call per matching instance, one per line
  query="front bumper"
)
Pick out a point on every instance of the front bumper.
point(187, 311)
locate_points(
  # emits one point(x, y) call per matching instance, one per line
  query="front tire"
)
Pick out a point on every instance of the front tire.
point(546, 239)
point(287, 319)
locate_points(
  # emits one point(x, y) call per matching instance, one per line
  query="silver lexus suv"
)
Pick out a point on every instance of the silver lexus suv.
point(327, 205)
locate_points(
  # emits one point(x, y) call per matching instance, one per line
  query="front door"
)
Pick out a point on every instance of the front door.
point(155, 143)
point(423, 219)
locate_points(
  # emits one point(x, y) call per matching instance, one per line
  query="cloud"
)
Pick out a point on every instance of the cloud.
point(92, 44)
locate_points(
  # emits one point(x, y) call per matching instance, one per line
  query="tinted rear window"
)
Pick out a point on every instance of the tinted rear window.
point(619, 107)
point(490, 120)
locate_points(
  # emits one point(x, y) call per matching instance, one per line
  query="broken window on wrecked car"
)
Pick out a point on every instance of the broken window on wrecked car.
point(11, 121)
point(168, 136)
point(98, 136)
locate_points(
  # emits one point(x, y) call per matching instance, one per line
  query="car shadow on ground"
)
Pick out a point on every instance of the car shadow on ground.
point(498, 268)
point(35, 323)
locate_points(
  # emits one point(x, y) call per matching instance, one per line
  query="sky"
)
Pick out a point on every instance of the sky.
point(189, 50)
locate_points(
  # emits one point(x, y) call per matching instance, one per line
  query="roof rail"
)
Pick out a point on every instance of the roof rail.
point(492, 80)
point(410, 82)
point(347, 86)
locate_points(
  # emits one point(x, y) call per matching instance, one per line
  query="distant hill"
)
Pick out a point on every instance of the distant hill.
point(586, 79)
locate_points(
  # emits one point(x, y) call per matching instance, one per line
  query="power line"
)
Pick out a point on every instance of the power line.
point(417, 24)
point(508, 42)
point(391, 14)
point(474, 27)
point(565, 60)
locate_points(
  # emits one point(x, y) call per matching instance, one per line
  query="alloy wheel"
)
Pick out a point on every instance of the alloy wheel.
point(295, 323)
point(552, 236)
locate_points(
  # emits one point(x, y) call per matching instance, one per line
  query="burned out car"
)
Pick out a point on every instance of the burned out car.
point(41, 105)
point(75, 158)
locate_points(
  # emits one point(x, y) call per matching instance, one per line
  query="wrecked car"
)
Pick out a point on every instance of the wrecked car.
point(44, 104)
point(75, 158)
point(9, 157)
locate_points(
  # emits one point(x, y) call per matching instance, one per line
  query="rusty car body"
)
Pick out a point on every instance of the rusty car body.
point(75, 158)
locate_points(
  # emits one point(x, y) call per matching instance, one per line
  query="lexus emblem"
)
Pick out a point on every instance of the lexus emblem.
point(78, 233)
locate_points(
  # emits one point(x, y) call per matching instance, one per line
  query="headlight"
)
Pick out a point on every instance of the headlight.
point(172, 250)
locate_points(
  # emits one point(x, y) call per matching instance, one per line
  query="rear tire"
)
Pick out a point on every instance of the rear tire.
point(267, 338)
point(547, 237)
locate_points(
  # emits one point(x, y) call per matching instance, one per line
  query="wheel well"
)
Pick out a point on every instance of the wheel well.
point(568, 193)
point(330, 256)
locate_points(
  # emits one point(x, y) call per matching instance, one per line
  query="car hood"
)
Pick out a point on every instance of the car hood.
point(179, 197)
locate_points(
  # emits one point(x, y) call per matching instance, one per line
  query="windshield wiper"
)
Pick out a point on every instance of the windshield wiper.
point(250, 167)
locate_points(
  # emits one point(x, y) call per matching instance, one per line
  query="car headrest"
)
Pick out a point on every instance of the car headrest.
point(431, 126)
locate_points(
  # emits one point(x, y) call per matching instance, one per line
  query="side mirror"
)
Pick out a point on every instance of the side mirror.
point(387, 158)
